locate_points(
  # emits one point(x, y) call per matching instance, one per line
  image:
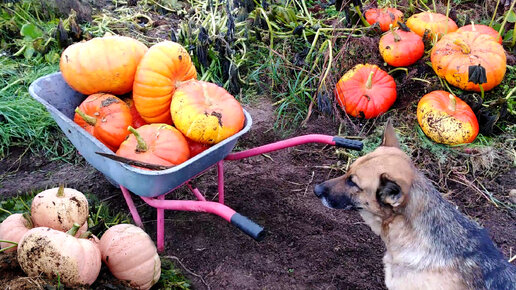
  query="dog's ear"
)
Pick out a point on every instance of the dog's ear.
point(389, 136)
point(389, 192)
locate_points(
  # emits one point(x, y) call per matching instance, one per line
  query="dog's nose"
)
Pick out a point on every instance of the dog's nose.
point(320, 190)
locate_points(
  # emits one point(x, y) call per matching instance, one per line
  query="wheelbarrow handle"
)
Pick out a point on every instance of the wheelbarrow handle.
point(347, 143)
point(249, 227)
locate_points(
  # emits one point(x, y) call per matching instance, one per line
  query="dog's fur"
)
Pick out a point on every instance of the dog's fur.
point(430, 244)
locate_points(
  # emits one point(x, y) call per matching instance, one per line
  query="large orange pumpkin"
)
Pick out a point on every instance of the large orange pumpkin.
point(159, 73)
point(482, 29)
point(205, 112)
point(401, 48)
point(456, 52)
point(366, 91)
point(437, 24)
point(384, 17)
point(446, 119)
point(106, 117)
point(158, 144)
point(103, 64)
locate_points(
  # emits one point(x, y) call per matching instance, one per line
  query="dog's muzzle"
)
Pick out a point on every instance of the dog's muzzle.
point(340, 201)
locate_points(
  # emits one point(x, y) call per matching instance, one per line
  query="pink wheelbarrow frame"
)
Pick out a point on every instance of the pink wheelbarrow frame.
point(153, 185)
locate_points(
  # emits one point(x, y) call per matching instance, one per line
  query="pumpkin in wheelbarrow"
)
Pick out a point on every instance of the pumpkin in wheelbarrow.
point(157, 144)
point(205, 112)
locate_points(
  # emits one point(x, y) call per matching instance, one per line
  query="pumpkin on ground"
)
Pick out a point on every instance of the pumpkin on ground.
point(59, 208)
point(446, 119)
point(205, 112)
point(159, 73)
point(106, 117)
point(158, 144)
point(437, 24)
point(384, 17)
point(102, 64)
point(482, 29)
point(452, 56)
point(13, 228)
point(131, 255)
point(401, 47)
point(366, 91)
point(55, 254)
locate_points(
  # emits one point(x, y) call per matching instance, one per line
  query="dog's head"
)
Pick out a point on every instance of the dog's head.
point(377, 184)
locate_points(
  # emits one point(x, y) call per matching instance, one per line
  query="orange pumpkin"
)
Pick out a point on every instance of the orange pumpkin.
point(106, 117)
point(159, 144)
point(384, 17)
point(401, 48)
point(454, 53)
point(482, 29)
point(103, 64)
point(13, 228)
point(366, 91)
point(138, 121)
point(159, 73)
point(196, 147)
point(131, 255)
point(205, 112)
point(437, 24)
point(446, 119)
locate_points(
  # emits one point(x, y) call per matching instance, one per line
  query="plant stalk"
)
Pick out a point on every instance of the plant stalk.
point(396, 36)
point(500, 31)
point(88, 119)
point(74, 229)
point(369, 83)
point(463, 46)
point(452, 106)
point(60, 191)
point(142, 146)
point(494, 13)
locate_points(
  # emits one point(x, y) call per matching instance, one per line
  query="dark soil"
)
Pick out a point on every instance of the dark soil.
point(307, 246)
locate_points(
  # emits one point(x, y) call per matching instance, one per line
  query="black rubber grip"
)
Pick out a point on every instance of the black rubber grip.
point(346, 143)
point(248, 226)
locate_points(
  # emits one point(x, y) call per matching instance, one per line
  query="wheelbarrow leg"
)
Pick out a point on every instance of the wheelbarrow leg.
point(132, 208)
point(220, 175)
point(161, 226)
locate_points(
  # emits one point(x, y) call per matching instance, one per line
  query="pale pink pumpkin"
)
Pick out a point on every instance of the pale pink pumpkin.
point(131, 255)
point(13, 228)
point(59, 208)
point(54, 253)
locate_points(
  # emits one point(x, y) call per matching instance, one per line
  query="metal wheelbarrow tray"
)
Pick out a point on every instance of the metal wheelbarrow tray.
point(152, 186)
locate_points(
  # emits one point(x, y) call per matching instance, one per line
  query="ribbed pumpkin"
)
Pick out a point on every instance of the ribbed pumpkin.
point(455, 52)
point(59, 208)
point(482, 29)
point(13, 228)
point(205, 112)
point(159, 73)
point(55, 254)
point(366, 91)
point(158, 144)
point(131, 255)
point(437, 24)
point(103, 64)
point(446, 119)
point(401, 48)
point(106, 117)
point(384, 17)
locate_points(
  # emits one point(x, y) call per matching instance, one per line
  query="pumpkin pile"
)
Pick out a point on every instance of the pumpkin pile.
point(470, 58)
point(169, 117)
point(50, 242)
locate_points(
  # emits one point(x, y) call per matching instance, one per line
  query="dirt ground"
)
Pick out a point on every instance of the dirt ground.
point(307, 246)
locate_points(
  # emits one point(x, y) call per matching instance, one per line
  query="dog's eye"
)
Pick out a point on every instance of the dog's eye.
point(350, 182)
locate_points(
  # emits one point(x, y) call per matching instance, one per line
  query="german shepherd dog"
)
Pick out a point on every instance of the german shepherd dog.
point(430, 244)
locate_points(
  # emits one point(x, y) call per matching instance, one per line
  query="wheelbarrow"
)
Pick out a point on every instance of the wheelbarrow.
point(152, 186)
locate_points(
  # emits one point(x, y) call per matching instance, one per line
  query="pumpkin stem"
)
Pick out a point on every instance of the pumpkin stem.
point(85, 235)
point(28, 220)
point(369, 83)
point(60, 191)
point(463, 46)
point(142, 146)
point(452, 106)
point(88, 119)
point(473, 26)
point(74, 229)
point(396, 35)
point(481, 91)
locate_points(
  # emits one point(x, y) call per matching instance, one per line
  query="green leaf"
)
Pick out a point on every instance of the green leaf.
point(29, 52)
point(31, 31)
point(511, 17)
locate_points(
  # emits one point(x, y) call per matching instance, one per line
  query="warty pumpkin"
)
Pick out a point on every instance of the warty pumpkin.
point(131, 255)
point(160, 72)
point(205, 112)
point(446, 119)
point(102, 64)
point(384, 17)
point(452, 56)
point(437, 24)
point(366, 91)
point(106, 117)
point(401, 47)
